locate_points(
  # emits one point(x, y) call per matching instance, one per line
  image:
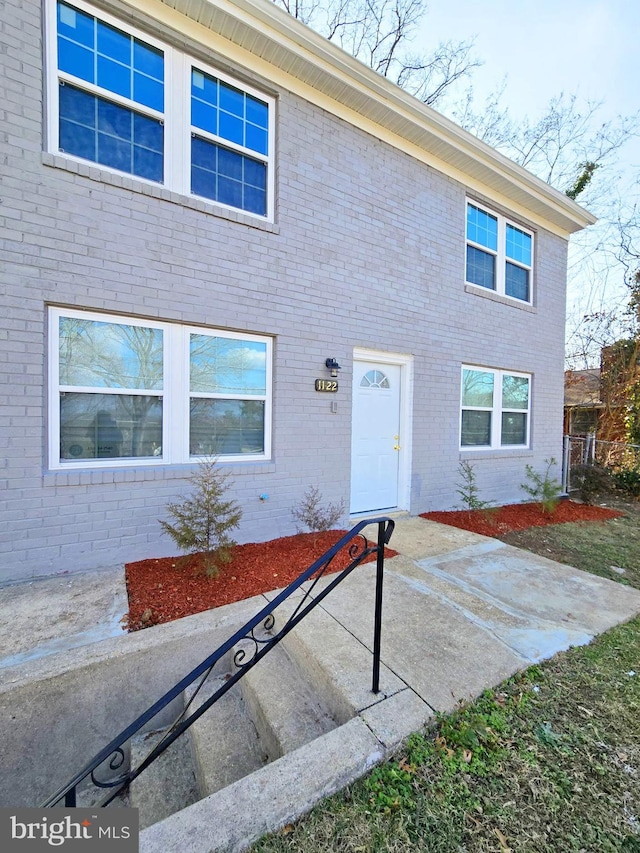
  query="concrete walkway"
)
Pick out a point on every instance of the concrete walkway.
point(451, 593)
point(461, 612)
point(49, 615)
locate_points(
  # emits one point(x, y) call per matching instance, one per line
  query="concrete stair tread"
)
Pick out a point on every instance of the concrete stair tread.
point(269, 798)
point(168, 784)
point(287, 709)
point(335, 661)
point(224, 740)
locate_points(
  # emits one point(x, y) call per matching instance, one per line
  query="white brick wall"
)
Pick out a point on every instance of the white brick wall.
point(368, 250)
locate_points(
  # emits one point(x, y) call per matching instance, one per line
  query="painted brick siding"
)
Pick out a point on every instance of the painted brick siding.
point(367, 251)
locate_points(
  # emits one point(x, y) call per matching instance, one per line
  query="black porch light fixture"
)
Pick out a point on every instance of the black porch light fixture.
point(333, 366)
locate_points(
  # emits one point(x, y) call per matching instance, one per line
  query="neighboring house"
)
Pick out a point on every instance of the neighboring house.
point(582, 403)
point(596, 401)
point(204, 202)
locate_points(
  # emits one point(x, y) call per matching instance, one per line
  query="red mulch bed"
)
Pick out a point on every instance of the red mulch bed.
point(172, 587)
point(496, 521)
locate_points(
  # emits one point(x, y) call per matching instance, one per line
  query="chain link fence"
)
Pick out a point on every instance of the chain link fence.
point(581, 450)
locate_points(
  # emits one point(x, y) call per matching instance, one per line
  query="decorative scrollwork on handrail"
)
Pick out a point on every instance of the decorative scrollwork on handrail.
point(247, 646)
point(117, 760)
point(360, 542)
point(242, 657)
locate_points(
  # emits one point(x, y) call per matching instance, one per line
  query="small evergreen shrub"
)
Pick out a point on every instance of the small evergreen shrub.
point(543, 488)
point(202, 521)
point(468, 488)
point(314, 515)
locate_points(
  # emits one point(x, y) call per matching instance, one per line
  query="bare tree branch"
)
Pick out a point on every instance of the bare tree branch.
point(381, 34)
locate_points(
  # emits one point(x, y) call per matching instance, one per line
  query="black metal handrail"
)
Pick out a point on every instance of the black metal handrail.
point(359, 548)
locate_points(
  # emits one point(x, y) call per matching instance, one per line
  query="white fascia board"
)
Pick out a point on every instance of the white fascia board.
point(354, 92)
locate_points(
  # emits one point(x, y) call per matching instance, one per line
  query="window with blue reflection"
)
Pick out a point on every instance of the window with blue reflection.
point(228, 112)
point(256, 138)
point(204, 116)
point(113, 43)
point(499, 254)
point(228, 177)
point(106, 133)
point(219, 366)
point(111, 112)
point(231, 100)
point(224, 365)
point(257, 112)
point(516, 282)
point(101, 54)
point(75, 25)
point(518, 245)
point(231, 128)
point(481, 268)
point(482, 228)
point(94, 354)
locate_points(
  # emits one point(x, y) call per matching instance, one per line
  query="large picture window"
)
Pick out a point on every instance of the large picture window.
point(125, 391)
point(123, 100)
point(499, 254)
point(495, 410)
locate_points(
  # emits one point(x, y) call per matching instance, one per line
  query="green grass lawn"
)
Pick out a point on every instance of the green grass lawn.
point(610, 549)
point(548, 761)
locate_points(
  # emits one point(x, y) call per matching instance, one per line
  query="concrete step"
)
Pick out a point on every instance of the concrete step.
point(315, 681)
point(224, 741)
point(273, 796)
point(336, 662)
point(168, 784)
point(286, 707)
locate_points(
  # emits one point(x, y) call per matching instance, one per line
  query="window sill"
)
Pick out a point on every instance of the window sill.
point(467, 454)
point(106, 476)
point(476, 290)
point(128, 182)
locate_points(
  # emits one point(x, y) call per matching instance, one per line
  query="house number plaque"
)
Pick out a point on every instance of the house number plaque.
point(326, 385)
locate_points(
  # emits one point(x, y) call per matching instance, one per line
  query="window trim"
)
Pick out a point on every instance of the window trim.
point(500, 254)
point(176, 116)
point(175, 392)
point(496, 410)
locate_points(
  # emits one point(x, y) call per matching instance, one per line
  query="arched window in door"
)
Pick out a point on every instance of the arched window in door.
point(374, 379)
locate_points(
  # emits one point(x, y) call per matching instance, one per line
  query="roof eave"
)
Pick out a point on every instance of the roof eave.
point(262, 28)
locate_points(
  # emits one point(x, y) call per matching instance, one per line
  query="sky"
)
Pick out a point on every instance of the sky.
point(590, 48)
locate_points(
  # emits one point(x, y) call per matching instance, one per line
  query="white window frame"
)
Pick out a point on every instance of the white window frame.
point(500, 254)
point(496, 409)
point(177, 110)
point(175, 392)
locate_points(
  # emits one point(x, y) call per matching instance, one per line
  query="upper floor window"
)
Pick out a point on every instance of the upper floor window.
point(495, 410)
point(126, 391)
point(130, 103)
point(499, 254)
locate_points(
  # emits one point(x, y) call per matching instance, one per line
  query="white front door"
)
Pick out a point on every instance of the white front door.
point(375, 436)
